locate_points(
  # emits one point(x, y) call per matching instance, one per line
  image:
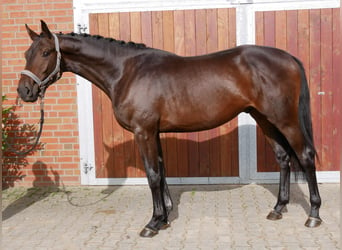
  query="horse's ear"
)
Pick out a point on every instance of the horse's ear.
point(34, 36)
point(45, 29)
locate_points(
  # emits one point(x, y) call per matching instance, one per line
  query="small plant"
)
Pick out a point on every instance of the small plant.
point(4, 124)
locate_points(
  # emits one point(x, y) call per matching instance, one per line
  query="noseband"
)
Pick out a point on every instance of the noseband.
point(43, 84)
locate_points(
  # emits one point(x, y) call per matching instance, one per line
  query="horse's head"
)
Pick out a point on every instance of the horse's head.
point(42, 64)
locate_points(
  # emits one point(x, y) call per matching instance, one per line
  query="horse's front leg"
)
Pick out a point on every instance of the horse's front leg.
point(164, 187)
point(148, 146)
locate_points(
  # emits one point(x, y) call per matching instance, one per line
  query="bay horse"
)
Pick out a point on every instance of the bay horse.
point(154, 91)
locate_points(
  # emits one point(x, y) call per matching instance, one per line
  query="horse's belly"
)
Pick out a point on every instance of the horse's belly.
point(189, 117)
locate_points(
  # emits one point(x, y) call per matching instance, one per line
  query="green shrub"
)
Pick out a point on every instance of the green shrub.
point(4, 124)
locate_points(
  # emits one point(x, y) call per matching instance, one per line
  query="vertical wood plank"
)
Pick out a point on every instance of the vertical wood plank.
point(190, 34)
point(303, 39)
point(327, 87)
point(261, 151)
point(337, 90)
point(146, 28)
point(135, 23)
point(201, 32)
point(292, 32)
point(125, 26)
point(231, 27)
point(179, 32)
point(168, 31)
point(269, 28)
point(280, 30)
point(222, 29)
point(114, 25)
point(259, 28)
point(212, 36)
point(234, 139)
point(315, 76)
point(157, 29)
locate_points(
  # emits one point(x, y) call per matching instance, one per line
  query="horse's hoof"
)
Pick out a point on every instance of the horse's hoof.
point(148, 232)
point(274, 215)
point(313, 222)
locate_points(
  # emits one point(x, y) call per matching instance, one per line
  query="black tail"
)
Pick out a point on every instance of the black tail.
point(304, 109)
point(304, 116)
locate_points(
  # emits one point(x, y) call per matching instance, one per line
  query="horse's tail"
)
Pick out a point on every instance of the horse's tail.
point(304, 109)
point(304, 112)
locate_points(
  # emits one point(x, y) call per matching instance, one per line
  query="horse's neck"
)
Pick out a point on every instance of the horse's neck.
point(98, 64)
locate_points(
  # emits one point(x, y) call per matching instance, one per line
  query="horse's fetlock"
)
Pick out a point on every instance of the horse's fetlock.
point(316, 201)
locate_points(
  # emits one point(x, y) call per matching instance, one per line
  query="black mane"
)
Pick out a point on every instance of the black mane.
point(129, 44)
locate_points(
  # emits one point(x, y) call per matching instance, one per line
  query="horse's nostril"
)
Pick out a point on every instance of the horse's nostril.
point(28, 91)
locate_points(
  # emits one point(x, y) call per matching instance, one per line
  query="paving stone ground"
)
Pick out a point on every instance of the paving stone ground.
point(204, 217)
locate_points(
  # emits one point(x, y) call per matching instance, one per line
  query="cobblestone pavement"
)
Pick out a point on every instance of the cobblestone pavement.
point(204, 217)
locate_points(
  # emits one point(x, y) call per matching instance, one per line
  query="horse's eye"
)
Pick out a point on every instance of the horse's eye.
point(46, 53)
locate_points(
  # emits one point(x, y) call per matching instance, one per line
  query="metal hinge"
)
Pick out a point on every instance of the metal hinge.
point(82, 28)
point(87, 167)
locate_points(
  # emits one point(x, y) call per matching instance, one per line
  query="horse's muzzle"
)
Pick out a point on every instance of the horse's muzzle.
point(27, 91)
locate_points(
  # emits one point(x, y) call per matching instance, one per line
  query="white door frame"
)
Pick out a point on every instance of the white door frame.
point(245, 34)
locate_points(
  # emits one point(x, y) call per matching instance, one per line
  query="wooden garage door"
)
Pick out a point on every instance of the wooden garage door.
point(185, 32)
point(312, 36)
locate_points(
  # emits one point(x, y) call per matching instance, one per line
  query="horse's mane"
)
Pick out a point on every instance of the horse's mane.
point(109, 39)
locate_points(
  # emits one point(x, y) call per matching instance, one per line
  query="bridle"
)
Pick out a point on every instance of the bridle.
point(43, 84)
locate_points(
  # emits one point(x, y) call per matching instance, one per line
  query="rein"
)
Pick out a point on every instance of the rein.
point(32, 147)
point(43, 84)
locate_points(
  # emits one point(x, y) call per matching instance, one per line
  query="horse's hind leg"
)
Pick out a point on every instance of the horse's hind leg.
point(283, 159)
point(305, 155)
point(283, 155)
point(148, 146)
